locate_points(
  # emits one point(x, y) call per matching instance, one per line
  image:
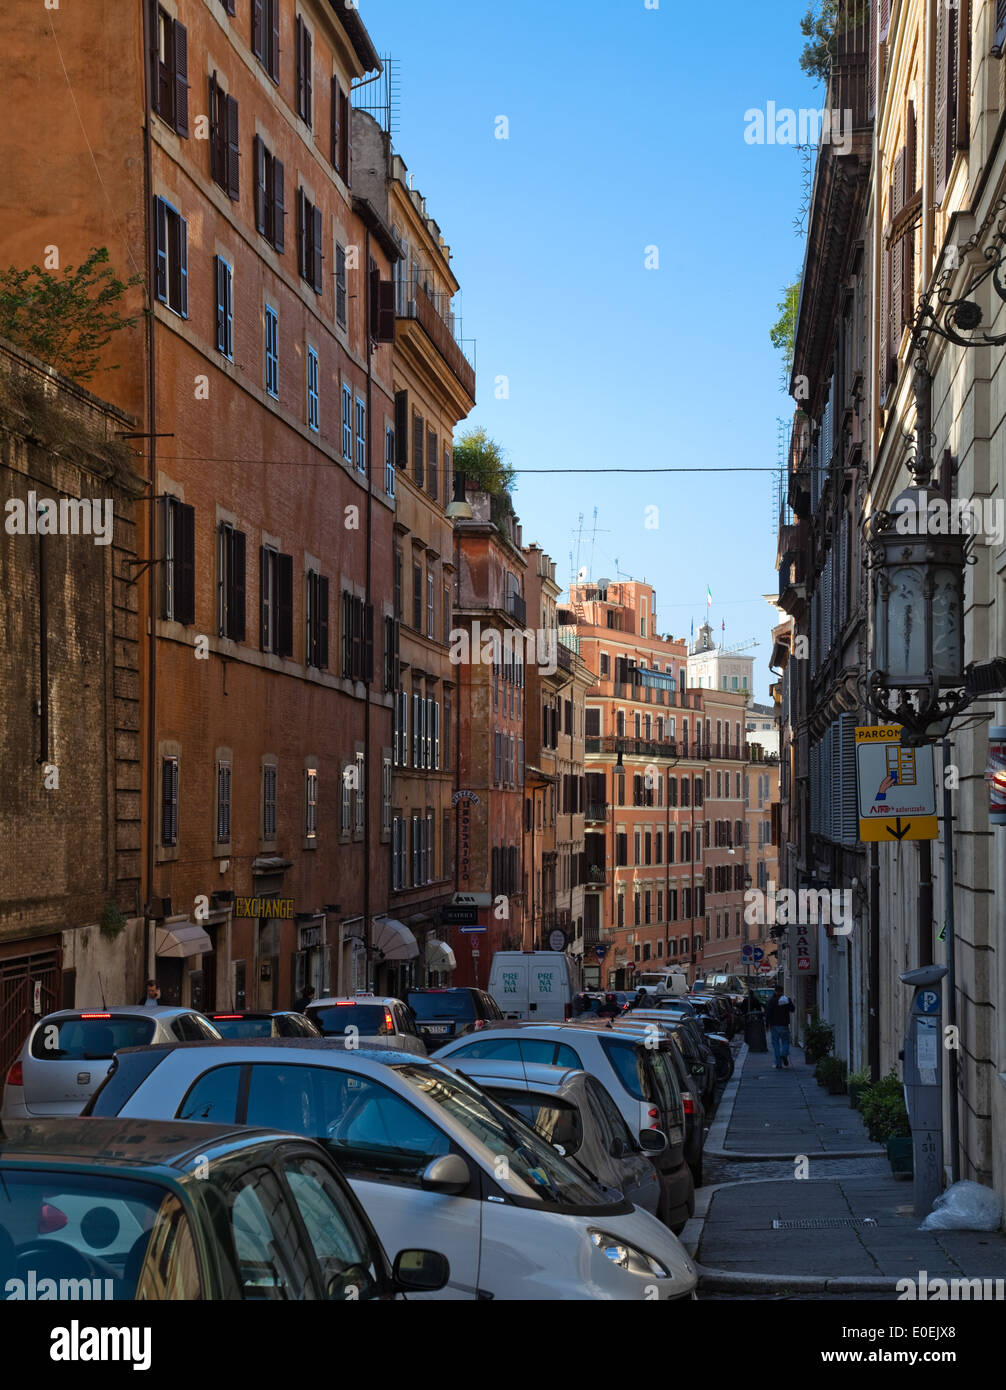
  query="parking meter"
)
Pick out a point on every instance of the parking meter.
point(923, 1081)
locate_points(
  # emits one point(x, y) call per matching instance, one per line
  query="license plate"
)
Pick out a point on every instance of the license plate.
point(436, 1028)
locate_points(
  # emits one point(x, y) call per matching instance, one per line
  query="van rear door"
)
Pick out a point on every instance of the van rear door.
point(508, 986)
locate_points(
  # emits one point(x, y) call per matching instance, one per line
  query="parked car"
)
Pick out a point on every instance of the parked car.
point(137, 1209)
point(535, 985)
point(67, 1054)
point(688, 1078)
point(430, 1156)
point(279, 1023)
point(694, 1045)
point(624, 1069)
point(442, 1014)
point(573, 1112)
point(368, 1020)
point(670, 981)
point(721, 983)
point(722, 1008)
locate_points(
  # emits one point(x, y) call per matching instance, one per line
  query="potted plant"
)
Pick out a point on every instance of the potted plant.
point(832, 1073)
point(886, 1117)
point(859, 1084)
point(818, 1040)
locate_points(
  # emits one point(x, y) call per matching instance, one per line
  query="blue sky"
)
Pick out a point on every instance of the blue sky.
point(626, 131)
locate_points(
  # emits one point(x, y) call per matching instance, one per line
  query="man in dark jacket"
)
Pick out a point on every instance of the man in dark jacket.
point(777, 1016)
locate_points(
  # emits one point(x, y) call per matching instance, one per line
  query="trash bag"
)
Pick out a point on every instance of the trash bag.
point(965, 1206)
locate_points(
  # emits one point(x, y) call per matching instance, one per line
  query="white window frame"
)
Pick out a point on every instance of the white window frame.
point(272, 351)
point(313, 403)
point(347, 422)
point(311, 803)
point(361, 435)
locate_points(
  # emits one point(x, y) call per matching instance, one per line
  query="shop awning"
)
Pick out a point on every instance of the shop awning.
point(180, 939)
point(439, 956)
point(394, 940)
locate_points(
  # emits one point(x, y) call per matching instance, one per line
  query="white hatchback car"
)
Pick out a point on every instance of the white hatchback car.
point(432, 1158)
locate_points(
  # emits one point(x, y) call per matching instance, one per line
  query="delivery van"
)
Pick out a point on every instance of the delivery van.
point(672, 981)
point(534, 985)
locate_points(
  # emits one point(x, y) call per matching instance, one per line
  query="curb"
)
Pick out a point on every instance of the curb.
point(727, 1281)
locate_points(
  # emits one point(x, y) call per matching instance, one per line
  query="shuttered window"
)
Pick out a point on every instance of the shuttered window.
point(171, 253)
point(313, 405)
point(265, 34)
point(316, 621)
point(270, 212)
point(178, 547)
point(169, 64)
point(361, 435)
point(309, 241)
point(418, 449)
point(389, 461)
point(223, 802)
point(303, 55)
point(276, 601)
point(269, 780)
point(224, 278)
point(271, 351)
point(225, 151)
point(169, 801)
point(347, 422)
point(231, 583)
point(357, 638)
point(340, 285)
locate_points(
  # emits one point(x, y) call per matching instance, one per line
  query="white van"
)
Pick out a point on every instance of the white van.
point(534, 985)
point(673, 981)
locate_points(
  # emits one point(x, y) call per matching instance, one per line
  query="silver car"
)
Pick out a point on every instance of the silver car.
point(68, 1054)
point(573, 1111)
point(367, 1020)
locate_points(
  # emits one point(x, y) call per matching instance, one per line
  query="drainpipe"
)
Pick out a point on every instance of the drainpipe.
point(148, 964)
point(368, 780)
point(873, 1034)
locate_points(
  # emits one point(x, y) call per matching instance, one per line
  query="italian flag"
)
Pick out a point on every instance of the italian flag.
point(709, 597)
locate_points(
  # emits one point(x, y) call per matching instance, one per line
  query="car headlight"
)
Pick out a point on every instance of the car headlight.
point(627, 1257)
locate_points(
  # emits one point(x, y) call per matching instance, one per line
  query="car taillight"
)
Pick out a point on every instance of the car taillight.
point(653, 1114)
point(96, 1015)
point(389, 1022)
point(15, 1077)
point(567, 1011)
point(50, 1219)
point(479, 1023)
point(688, 1103)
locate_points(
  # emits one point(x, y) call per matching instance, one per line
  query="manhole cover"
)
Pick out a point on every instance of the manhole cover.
point(828, 1223)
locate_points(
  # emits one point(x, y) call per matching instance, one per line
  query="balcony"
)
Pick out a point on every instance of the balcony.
point(597, 878)
point(516, 607)
point(596, 813)
point(632, 747)
point(433, 314)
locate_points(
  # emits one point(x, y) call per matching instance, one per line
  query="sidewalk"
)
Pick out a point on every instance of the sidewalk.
point(849, 1225)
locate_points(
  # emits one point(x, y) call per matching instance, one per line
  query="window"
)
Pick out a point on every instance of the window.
point(447, 739)
point(225, 146)
point(385, 795)
point(605, 664)
point(447, 615)
point(169, 801)
point(276, 601)
point(316, 613)
point(270, 1261)
point(178, 545)
point(345, 817)
point(313, 420)
point(272, 351)
point(359, 793)
point(170, 74)
point(311, 803)
point(344, 1254)
point(347, 422)
point(270, 212)
point(448, 489)
point(418, 446)
point(340, 285)
point(361, 436)
point(357, 638)
point(375, 1135)
point(309, 244)
point(430, 606)
point(225, 307)
point(269, 778)
point(432, 462)
point(392, 660)
point(417, 597)
point(223, 802)
point(172, 257)
point(342, 130)
point(265, 35)
point(398, 850)
point(231, 583)
point(302, 43)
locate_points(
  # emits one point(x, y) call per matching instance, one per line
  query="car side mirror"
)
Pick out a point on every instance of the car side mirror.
point(698, 1069)
point(448, 1174)
point(652, 1141)
point(420, 1271)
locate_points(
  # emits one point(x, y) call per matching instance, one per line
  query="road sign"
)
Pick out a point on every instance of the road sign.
point(557, 940)
point(459, 916)
point(600, 951)
point(747, 952)
point(765, 968)
point(758, 953)
point(472, 930)
point(897, 789)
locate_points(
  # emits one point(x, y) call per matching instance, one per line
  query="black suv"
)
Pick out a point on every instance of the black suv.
point(443, 1014)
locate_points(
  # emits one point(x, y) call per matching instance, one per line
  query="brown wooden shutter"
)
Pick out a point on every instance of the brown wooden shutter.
point(236, 601)
point(154, 54)
point(274, 40)
point(402, 427)
point(265, 598)
point(962, 28)
point(298, 49)
point(185, 564)
point(322, 601)
point(896, 304)
point(229, 6)
point(374, 289)
point(885, 17)
point(258, 159)
point(181, 79)
point(257, 29)
point(347, 140)
point(940, 136)
point(160, 249)
point(284, 605)
point(316, 235)
point(306, 39)
point(368, 642)
point(873, 57)
point(301, 234)
point(233, 150)
point(278, 207)
point(336, 125)
point(218, 140)
point(885, 319)
point(908, 240)
point(386, 312)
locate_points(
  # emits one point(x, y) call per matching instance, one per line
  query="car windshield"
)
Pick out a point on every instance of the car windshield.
point(87, 1039)
point(66, 1235)
point(368, 1019)
point(557, 1121)
point(550, 1177)
point(243, 1027)
point(443, 1004)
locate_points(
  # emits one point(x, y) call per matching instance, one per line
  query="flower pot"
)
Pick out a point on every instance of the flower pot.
point(856, 1091)
point(899, 1155)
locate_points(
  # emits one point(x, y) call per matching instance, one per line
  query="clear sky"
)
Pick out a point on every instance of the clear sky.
point(626, 132)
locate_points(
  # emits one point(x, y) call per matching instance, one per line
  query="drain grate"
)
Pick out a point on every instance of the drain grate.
point(828, 1223)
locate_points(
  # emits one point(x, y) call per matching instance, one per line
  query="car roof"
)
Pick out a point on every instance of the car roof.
point(530, 1076)
point(144, 1010)
point(252, 1013)
point(74, 1140)
point(322, 1046)
point(343, 999)
point(448, 989)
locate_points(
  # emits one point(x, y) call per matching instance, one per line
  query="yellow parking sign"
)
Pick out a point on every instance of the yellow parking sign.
point(897, 788)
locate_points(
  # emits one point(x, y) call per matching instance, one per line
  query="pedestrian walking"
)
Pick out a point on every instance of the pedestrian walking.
point(305, 999)
point(780, 1010)
point(153, 996)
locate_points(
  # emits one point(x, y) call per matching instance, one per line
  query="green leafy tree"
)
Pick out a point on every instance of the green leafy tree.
point(483, 463)
point(818, 28)
point(65, 317)
point(783, 331)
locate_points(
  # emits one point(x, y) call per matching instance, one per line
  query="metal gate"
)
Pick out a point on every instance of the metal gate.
point(18, 977)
